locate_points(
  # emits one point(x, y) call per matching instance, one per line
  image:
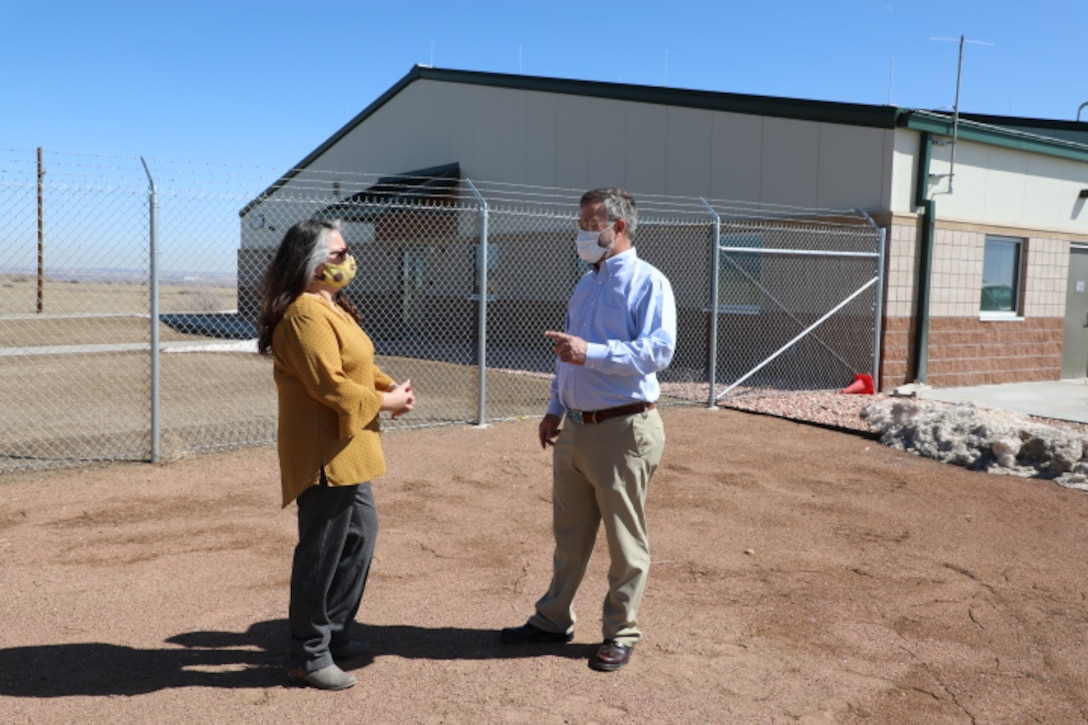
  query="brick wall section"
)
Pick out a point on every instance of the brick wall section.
point(969, 351)
point(964, 349)
point(897, 353)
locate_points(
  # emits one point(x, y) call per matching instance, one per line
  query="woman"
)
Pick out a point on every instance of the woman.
point(330, 395)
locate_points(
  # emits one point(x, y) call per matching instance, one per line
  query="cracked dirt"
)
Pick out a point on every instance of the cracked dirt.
point(801, 575)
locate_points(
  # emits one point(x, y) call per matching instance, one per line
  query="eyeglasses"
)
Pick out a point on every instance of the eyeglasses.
point(595, 225)
point(339, 255)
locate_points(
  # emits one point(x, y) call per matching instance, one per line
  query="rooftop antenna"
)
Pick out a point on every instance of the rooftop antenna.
point(891, 82)
point(956, 107)
point(519, 59)
point(666, 67)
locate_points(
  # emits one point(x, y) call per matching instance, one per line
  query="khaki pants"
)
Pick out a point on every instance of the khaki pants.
point(601, 473)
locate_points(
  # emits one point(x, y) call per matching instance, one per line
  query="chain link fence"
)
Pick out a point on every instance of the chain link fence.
point(129, 291)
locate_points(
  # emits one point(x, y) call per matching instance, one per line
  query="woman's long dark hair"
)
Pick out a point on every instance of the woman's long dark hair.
point(304, 247)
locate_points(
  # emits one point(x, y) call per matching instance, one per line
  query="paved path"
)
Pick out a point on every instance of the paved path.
point(1058, 399)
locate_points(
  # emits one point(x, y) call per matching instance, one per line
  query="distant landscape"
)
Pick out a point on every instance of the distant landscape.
point(124, 276)
point(106, 292)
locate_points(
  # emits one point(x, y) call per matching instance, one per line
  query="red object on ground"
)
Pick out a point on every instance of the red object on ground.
point(862, 384)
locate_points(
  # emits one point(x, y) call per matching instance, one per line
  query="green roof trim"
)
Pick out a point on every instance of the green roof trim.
point(827, 111)
point(1005, 136)
point(850, 114)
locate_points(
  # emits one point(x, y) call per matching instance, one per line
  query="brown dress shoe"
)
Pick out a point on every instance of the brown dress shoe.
point(611, 656)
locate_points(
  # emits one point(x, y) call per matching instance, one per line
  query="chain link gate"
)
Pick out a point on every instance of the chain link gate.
point(806, 297)
point(455, 289)
point(768, 299)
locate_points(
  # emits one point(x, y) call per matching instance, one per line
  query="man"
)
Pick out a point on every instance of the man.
point(620, 331)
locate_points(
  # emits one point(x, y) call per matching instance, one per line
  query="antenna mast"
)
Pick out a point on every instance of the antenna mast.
point(956, 108)
point(955, 119)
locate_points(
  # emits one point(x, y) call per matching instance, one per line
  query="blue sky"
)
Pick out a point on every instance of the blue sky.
point(261, 84)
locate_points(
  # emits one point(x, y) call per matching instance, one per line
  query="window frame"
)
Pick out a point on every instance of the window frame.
point(1019, 246)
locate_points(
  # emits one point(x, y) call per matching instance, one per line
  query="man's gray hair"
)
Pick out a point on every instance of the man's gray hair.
point(618, 204)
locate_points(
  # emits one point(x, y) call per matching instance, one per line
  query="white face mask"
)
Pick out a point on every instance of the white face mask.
point(589, 245)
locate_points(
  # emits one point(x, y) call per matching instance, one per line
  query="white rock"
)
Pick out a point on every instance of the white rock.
point(980, 438)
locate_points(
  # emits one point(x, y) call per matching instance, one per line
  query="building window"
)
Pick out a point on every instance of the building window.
point(1001, 276)
point(739, 272)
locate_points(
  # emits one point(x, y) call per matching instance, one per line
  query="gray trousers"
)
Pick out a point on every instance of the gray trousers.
point(337, 527)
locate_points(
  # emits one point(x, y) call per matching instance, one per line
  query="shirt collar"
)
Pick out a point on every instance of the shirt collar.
point(613, 265)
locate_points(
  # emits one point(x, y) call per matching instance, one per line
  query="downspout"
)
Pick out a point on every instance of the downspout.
point(925, 258)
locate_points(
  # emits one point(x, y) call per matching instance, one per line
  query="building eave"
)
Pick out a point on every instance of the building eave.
point(848, 114)
point(942, 124)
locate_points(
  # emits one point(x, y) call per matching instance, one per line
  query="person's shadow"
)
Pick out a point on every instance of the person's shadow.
point(255, 658)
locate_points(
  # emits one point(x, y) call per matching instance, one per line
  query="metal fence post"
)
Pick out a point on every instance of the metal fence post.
point(41, 235)
point(878, 305)
point(712, 317)
point(481, 271)
point(153, 285)
point(878, 314)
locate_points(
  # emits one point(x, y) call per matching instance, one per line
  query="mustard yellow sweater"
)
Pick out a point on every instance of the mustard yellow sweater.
point(330, 394)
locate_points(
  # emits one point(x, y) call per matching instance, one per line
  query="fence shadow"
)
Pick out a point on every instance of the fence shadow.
point(230, 660)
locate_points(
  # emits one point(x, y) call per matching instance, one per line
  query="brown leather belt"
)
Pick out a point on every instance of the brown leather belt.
point(589, 417)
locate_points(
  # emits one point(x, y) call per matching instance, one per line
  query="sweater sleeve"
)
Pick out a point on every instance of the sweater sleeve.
point(381, 380)
point(311, 349)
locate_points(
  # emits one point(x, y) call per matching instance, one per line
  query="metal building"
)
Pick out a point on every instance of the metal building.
point(986, 231)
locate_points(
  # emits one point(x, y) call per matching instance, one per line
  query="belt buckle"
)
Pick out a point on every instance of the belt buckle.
point(575, 415)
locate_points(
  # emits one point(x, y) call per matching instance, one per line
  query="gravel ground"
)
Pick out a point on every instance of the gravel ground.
point(975, 437)
point(836, 410)
point(821, 407)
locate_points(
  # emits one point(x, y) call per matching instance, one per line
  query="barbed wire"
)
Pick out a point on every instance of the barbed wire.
point(246, 184)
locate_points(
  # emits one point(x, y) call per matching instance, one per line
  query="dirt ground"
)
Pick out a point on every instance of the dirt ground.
point(801, 575)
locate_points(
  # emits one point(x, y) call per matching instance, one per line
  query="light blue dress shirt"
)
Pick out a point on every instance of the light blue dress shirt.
point(626, 312)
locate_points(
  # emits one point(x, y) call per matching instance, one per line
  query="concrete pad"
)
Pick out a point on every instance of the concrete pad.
point(1058, 399)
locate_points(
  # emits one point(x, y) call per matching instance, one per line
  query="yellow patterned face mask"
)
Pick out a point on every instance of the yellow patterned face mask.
point(340, 275)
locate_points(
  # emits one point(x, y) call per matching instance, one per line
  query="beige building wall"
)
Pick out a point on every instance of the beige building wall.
point(965, 346)
point(578, 142)
point(997, 191)
point(1008, 187)
point(904, 172)
point(900, 299)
